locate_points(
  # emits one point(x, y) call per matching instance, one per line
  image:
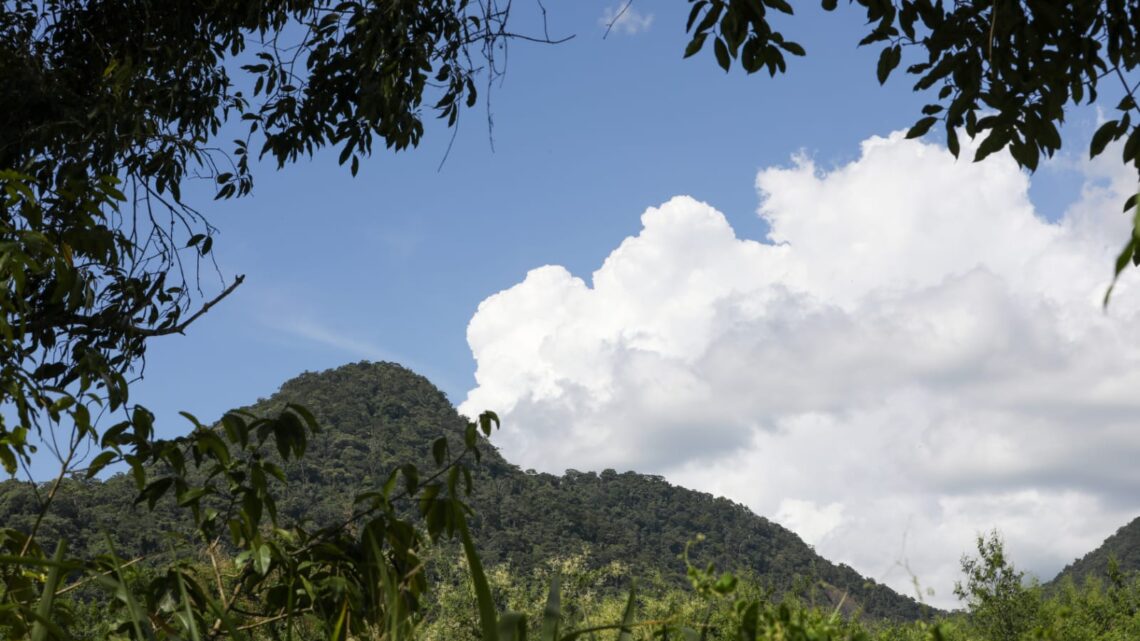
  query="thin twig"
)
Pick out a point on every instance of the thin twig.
point(616, 18)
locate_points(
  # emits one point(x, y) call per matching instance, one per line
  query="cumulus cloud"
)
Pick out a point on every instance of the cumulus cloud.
point(625, 19)
point(911, 357)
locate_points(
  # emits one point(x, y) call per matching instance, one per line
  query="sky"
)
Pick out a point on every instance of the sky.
point(753, 286)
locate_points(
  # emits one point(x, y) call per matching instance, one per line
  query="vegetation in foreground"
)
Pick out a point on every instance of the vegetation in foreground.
point(109, 106)
point(377, 417)
point(236, 536)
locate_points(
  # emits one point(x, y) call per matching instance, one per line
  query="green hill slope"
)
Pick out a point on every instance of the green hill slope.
point(1124, 546)
point(379, 415)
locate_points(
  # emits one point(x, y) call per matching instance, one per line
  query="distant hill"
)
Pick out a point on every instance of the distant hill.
point(379, 414)
point(1124, 546)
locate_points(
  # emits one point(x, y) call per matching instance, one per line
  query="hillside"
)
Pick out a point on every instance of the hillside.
point(1124, 546)
point(379, 415)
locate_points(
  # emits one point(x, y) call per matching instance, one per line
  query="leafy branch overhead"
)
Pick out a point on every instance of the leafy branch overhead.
point(109, 109)
point(1002, 71)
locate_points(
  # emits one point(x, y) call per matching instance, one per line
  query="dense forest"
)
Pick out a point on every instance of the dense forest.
point(595, 532)
point(378, 416)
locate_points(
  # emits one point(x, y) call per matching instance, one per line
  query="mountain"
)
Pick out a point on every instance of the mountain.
point(1124, 546)
point(378, 415)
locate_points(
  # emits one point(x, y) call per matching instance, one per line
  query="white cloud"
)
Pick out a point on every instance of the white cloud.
point(912, 357)
point(623, 18)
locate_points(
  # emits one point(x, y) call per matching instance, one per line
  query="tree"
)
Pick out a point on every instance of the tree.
point(1005, 70)
point(106, 110)
point(1000, 605)
point(108, 107)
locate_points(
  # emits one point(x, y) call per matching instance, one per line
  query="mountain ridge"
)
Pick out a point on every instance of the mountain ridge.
point(523, 517)
point(379, 415)
point(1123, 547)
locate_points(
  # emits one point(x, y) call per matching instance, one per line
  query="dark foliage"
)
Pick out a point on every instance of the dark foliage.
point(378, 416)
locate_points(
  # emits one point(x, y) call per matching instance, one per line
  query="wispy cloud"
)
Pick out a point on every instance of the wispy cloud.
point(315, 332)
point(623, 18)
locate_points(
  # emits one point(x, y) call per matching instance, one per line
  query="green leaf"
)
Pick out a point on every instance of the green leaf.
point(552, 613)
point(1122, 260)
point(512, 627)
point(43, 608)
point(99, 462)
point(263, 559)
point(411, 477)
point(487, 420)
point(488, 619)
point(439, 450)
point(626, 631)
point(153, 492)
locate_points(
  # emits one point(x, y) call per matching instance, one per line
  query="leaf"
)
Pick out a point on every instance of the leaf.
point(263, 559)
point(411, 477)
point(993, 142)
point(1105, 134)
point(952, 141)
point(487, 421)
point(1131, 202)
point(43, 608)
point(721, 51)
point(99, 462)
point(1131, 146)
point(780, 5)
point(888, 60)
point(153, 492)
point(552, 613)
point(695, 45)
point(512, 627)
point(794, 48)
point(921, 127)
point(486, 605)
point(1122, 260)
point(439, 450)
point(626, 632)
point(694, 13)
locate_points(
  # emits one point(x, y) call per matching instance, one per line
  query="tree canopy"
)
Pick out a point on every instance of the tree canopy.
point(108, 108)
point(1001, 71)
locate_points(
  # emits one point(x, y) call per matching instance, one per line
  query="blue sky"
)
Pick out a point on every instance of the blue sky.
point(587, 134)
point(987, 286)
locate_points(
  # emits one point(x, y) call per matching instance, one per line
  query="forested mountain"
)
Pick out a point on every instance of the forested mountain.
point(376, 416)
point(1124, 546)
